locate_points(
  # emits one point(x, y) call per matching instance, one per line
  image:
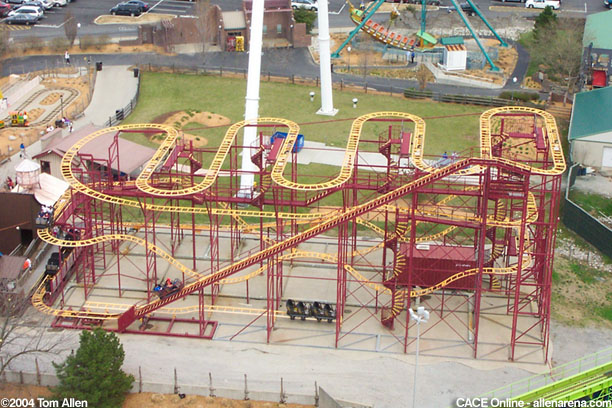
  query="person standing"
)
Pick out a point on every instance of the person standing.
point(412, 57)
point(67, 57)
point(22, 152)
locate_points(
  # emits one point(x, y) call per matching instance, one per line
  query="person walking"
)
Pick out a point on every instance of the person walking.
point(67, 57)
point(412, 57)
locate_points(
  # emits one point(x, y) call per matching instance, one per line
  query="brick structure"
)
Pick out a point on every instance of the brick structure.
point(219, 28)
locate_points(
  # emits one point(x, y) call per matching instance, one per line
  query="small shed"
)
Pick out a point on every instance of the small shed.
point(455, 57)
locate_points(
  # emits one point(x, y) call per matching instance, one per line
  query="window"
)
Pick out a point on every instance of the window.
point(265, 29)
point(45, 167)
point(279, 29)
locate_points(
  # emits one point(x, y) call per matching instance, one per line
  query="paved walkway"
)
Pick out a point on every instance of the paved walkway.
point(115, 87)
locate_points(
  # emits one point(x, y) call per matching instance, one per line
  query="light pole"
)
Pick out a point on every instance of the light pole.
point(421, 316)
point(62, 105)
point(348, 49)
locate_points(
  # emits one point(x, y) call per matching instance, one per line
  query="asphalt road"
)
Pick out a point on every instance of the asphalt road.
point(86, 11)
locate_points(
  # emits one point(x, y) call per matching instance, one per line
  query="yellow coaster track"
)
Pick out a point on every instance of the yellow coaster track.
point(326, 220)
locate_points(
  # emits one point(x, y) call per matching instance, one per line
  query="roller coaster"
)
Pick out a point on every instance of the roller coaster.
point(448, 232)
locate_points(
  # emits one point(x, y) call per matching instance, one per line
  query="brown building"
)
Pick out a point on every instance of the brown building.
point(17, 220)
point(224, 30)
point(132, 156)
point(278, 22)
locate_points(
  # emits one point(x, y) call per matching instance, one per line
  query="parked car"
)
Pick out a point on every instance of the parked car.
point(541, 4)
point(144, 7)
point(15, 1)
point(607, 3)
point(124, 9)
point(305, 4)
point(5, 9)
point(59, 3)
point(467, 9)
point(36, 4)
point(32, 10)
point(21, 18)
point(42, 4)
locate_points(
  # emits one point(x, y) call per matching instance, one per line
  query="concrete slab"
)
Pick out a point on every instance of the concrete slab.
point(107, 96)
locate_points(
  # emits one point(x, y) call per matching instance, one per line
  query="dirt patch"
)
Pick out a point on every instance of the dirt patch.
point(151, 400)
point(576, 302)
point(142, 19)
point(91, 49)
point(12, 137)
point(395, 66)
point(180, 119)
point(23, 391)
point(51, 99)
point(34, 114)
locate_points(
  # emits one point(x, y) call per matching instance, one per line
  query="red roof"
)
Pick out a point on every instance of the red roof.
point(131, 155)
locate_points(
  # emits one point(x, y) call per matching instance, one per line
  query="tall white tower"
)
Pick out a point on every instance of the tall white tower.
point(251, 110)
point(327, 100)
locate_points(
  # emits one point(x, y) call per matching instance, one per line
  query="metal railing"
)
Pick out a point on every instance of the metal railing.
point(556, 374)
point(121, 114)
point(467, 99)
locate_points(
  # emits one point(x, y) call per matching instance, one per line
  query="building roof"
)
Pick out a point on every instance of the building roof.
point(233, 20)
point(451, 40)
point(131, 155)
point(591, 113)
point(10, 267)
point(27, 166)
point(47, 191)
point(598, 30)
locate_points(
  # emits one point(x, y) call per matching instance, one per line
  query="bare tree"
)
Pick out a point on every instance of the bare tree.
point(204, 24)
point(70, 28)
point(560, 49)
point(19, 337)
point(423, 76)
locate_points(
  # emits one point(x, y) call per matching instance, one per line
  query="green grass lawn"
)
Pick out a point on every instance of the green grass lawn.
point(592, 203)
point(161, 93)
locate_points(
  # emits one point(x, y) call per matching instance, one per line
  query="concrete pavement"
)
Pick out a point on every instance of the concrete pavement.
point(115, 87)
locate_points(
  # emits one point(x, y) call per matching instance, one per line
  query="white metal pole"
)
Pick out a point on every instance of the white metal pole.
point(251, 110)
point(416, 362)
point(327, 101)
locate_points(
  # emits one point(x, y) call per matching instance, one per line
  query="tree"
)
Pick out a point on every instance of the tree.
point(544, 20)
point(305, 16)
point(18, 336)
point(70, 28)
point(204, 25)
point(423, 76)
point(94, 372)
point(558, 46)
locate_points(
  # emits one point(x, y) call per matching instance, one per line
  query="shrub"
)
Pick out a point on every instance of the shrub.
point(94, 372)
point(305, 16)
point(520, 96)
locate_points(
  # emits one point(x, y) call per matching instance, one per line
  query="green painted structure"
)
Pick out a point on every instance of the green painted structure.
point(586, 379)
point(598, 30)
point(591, 112)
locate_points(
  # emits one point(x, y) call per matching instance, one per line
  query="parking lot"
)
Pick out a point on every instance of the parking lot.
point(86, 11)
